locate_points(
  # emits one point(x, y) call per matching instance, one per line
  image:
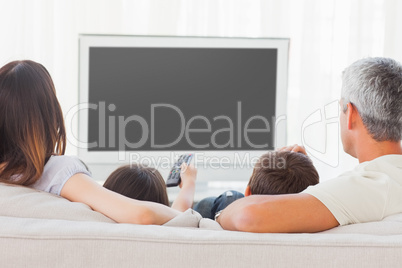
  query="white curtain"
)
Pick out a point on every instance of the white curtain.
point(326, 36)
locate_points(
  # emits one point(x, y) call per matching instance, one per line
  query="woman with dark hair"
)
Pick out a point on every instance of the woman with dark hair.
point(147, 184)
point(33, 142)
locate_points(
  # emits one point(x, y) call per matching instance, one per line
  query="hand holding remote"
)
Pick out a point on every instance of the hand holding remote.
point(188, 175)
point(174, 177)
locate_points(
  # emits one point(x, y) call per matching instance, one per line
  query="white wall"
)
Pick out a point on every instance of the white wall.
point(326, 36)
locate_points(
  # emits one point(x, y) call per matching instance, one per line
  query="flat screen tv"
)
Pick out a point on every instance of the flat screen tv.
point(149, 99)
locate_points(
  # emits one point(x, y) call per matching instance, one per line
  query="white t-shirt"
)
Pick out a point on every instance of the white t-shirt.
point(370, 192)
point(57, 171)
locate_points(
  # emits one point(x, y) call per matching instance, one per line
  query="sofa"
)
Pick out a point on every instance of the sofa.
point(38, 229)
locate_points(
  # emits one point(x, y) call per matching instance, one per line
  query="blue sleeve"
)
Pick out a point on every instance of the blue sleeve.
point(57, 171)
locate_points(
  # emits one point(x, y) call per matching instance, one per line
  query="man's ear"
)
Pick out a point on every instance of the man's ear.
point(248, 191)
point(350, 114)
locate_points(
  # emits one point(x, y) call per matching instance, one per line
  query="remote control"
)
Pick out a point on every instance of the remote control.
point(174, 178)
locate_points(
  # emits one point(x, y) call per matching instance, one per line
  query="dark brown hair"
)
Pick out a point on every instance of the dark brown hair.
point(138, 182)
point(31, 122)
point(282, 173)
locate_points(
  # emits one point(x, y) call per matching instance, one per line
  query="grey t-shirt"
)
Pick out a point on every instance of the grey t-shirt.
point(57, 171)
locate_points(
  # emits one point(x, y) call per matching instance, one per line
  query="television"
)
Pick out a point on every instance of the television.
point(149, 99)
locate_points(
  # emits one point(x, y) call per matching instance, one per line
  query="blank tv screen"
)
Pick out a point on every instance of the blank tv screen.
point(183, 99)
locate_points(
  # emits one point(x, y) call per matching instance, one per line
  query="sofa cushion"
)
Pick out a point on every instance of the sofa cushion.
point(189, 218)
point(206, 223)
point(391, 225)
point(25, 202)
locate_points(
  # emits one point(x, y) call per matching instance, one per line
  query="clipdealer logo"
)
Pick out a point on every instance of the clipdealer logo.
point(238, 127)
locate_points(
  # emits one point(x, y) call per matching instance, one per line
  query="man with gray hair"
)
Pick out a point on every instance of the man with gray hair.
point(371, 131)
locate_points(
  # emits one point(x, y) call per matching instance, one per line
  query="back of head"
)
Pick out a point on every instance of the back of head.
point(374, 87)
point(31, 121)
point(138, 182)
point(282, 173)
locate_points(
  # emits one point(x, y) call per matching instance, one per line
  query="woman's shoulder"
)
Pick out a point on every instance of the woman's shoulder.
point(64, 160)
point(65, 165)
point(58, 169)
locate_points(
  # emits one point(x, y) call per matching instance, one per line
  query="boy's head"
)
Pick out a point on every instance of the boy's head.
point(138, 182)
point(282, 173)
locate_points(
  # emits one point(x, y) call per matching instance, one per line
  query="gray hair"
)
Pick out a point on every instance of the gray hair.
point(374, 87)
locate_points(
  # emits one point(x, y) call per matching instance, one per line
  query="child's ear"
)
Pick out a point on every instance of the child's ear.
point(248, 191)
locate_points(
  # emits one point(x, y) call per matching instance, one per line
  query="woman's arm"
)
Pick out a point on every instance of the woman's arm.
point(185, 198)
point(82, 188)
